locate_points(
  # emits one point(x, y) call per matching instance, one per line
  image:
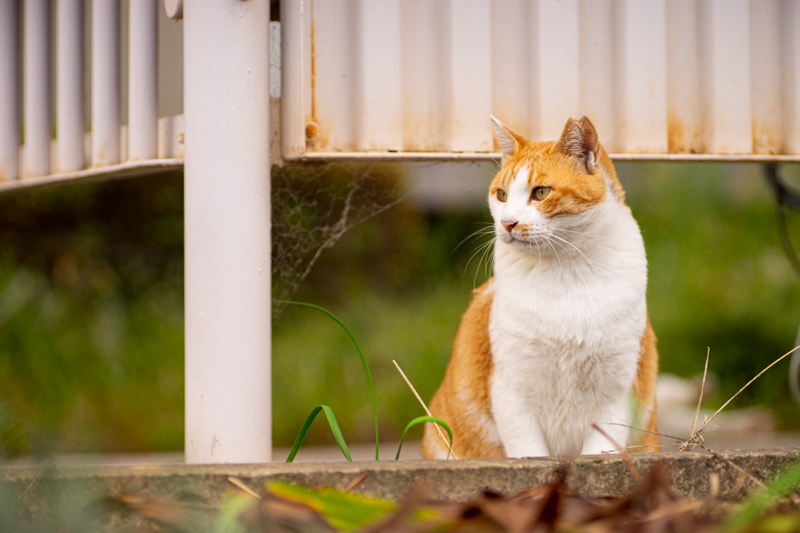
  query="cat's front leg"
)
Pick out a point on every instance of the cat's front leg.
point(614, 420)
point(518, 426)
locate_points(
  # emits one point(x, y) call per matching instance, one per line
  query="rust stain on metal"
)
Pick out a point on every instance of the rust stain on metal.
point(676, 141)
point(312, 130)
point(764, 142)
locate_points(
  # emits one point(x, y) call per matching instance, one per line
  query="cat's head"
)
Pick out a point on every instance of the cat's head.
point(545, 192)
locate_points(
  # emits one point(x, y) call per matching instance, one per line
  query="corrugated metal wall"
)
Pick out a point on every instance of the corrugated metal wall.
point(655, 76)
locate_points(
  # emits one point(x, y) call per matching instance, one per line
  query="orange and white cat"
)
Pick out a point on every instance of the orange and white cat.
point(559, 338)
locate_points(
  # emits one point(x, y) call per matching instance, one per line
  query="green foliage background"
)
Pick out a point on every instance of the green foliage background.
point(91, 307)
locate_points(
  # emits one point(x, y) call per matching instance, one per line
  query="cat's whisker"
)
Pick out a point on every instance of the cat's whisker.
point(565, 241)
point(489, 262)
point(547, 240)
point(486, 248)
point(568, 231)
point(489, 229)
point(482, 248)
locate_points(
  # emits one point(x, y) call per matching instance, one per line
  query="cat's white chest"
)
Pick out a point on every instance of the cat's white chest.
point(566, 343)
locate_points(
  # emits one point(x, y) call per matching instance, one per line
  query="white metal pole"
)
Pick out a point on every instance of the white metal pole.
point(69, 84)
point(227, 229)
point(142, 105)
point(9, 118)
point(105, 82)
point(36, 103)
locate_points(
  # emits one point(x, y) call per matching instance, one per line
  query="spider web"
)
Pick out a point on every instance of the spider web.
point(314, 205)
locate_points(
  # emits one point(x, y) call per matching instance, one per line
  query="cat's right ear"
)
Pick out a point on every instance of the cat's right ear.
point(510, 141)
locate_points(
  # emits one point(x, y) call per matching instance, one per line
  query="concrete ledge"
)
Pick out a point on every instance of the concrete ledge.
point(692, 474)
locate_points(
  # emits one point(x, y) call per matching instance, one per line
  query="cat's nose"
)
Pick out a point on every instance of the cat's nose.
point(509, 224)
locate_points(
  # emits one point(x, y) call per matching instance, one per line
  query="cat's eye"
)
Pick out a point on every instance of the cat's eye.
point(502, 195)
point(540, 193)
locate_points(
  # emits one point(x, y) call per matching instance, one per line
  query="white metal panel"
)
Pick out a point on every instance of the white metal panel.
point(36, 97)
point(684, 77)
point(9, 117)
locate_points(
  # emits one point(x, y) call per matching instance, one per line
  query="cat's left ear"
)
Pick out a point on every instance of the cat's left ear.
point(510, 141)
point(579, 140)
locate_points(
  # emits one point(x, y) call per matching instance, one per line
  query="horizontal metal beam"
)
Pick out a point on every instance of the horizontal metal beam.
point(91, 175)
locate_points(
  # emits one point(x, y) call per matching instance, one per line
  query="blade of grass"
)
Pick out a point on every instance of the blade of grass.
point(360, 355)
point(337, 433)
point(421, 420)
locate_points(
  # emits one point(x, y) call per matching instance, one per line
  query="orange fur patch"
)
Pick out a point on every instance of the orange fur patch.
point(463, 399)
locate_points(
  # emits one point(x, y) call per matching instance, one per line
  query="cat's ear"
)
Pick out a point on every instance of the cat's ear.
point(510, 141)
point(579, 140)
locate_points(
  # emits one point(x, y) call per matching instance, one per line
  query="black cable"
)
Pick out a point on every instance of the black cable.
point(785, 197)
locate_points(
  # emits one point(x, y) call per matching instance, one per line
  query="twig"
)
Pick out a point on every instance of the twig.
point(357, 481)
point(781, 358)
point(239, 483)
point(644, 431)
point(438, 430)
point(702, 388)
point(622, 452)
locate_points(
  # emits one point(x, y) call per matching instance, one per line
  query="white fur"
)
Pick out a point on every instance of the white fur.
point(566, 324)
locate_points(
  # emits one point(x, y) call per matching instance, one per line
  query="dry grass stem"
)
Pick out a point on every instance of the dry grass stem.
point(622, 451)
point(240, 484)
point(778, 360)
point(438, 429)
point(702, 389)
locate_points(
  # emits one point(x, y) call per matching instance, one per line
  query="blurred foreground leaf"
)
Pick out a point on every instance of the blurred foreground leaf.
point(344, 511)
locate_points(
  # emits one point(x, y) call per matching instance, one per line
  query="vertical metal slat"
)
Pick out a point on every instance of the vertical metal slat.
point(683, 78)
point(765, 76)
point(510, 63)
point(335, 45)
point(36, 103)
point(69, 85)
point(558, 63)
point(725, 75)
point(641, 76)
point(105, 83)
point(296, 85)
point(790, 68)
point(426, 80)
point(596, 68)
point(142, 95)
point(470, 86)
point(379, 96)
point(9, 117)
